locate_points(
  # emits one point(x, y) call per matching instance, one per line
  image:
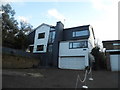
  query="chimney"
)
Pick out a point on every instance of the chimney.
point(60, 25)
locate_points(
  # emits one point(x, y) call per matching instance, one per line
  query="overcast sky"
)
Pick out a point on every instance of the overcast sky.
point(101, 14)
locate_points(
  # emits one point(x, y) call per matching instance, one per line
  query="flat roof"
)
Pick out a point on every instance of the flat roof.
point(77, 27)
point(111, 41)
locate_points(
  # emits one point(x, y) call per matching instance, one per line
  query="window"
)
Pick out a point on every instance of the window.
point(52, 29)
point(52, 37)
point(41, 35)
point(75, 45)
point(79, 44)
point(31, 48)
point(40, 47)
point(80, 33)
point(116, 44)
point(50, 48)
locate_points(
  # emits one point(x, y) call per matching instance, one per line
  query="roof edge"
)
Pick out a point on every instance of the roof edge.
point(111, 41)
point(40, 26)
point(77, 27)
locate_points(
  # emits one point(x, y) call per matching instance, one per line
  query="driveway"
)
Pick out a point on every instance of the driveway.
point(56, 78)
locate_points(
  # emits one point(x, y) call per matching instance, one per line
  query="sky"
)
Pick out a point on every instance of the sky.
point(102, 15)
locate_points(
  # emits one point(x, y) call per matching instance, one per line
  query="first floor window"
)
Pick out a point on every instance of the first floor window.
point(41, 35)
point(40, 47)
point(78, 44)
point(52, 37)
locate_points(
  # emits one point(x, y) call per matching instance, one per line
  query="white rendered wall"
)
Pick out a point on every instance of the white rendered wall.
point(114, 62)
point(42, 29)
point(65, 51)
point(91, 40)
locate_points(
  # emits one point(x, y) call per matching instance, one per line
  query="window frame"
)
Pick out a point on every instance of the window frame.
point(39, 47)
point(41, 37)
point(51, 36)
point(50, 48)
point(77, 33)
point(72, 43)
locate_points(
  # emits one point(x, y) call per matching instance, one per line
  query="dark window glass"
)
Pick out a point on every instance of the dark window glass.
point(51, 37)
point(80, 33)
point(31, 48)
point(78, 44)
point(50, 48)
point(40, 47)
point(41, 35)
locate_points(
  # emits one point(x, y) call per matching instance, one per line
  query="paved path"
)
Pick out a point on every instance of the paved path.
point(56, 78)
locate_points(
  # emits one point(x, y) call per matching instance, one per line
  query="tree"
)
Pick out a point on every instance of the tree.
point(9, 26)
point(21, 41)
point(12, 35)
point(100, 59)
point(25, 27)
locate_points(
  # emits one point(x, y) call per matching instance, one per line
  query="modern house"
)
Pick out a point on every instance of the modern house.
point(113, 54)
point(67, 48)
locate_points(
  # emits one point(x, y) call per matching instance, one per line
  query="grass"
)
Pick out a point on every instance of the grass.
point(12, 61)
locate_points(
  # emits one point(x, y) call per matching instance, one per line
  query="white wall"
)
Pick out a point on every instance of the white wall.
point(65, 51)
point(114, 62)
point(42, 29)
point(91, 40)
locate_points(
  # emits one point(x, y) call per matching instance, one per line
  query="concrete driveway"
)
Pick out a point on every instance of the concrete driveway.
point(56, 78)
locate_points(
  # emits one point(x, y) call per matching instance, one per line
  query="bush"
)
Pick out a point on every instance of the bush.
point(100, 58)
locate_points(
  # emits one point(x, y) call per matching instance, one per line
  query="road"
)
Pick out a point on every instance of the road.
point(56, 78)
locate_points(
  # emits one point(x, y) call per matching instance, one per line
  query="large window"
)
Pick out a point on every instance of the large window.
point(78, 44)
point(51, 37)
point(40, 47)
point(80, 33)
point(41, 35)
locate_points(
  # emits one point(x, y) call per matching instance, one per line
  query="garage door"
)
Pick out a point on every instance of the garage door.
point(115, 63)
point(72, 63)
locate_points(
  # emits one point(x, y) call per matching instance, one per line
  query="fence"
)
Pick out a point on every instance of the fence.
point(16, 52)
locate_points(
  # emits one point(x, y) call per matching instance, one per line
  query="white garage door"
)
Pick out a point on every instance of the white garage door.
point(72, 63)
point(115, 63)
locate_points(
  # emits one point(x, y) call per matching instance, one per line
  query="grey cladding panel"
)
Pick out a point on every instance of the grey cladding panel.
point(31, 37)
point(68, 33)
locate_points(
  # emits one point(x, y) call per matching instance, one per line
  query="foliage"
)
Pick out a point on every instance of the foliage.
point(12, 35)
point(25, 27)
point(9, 25)
point(100, 59)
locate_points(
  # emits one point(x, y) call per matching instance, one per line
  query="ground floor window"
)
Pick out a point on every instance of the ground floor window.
point(31, 48)
point(50, 48)
point(40, 47)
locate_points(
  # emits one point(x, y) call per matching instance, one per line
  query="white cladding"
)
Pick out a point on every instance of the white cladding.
point(76, 58)
point(65, 51)
point(114, 62)
point(91, 41)
point(43, 41)
point(72, 58)
point(72, 63)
